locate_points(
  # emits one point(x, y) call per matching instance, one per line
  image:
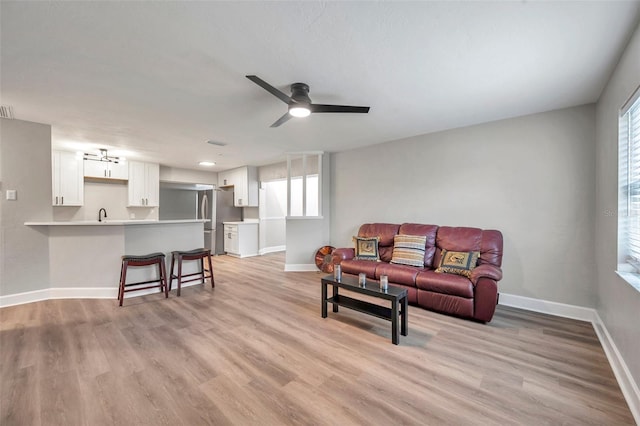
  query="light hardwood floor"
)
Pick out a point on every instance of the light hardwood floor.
point(255, 350)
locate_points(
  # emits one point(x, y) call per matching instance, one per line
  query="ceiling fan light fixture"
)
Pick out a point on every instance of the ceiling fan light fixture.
point(299, 111)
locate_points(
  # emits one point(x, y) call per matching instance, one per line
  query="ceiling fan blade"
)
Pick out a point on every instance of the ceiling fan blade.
point(338, 108)
point(282, 119)
point(269, 88)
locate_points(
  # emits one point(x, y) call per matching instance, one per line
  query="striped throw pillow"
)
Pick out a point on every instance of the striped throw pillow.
point(409, 250)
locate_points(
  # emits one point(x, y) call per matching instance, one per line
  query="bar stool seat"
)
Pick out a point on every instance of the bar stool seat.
point(198, 254)
point(143, 260)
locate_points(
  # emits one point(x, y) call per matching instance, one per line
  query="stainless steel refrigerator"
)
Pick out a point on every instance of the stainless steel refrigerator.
point(217, 206)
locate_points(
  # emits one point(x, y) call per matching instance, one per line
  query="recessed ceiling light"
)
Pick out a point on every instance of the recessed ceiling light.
point(207, 163)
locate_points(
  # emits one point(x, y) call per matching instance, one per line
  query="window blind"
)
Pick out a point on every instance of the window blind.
point(629, 183)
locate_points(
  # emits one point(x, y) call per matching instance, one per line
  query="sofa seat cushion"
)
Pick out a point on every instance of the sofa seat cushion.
point(455, 285)
point(355, 267)
point(398, 274)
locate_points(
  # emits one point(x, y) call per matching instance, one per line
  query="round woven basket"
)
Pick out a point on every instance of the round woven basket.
point(324, 261)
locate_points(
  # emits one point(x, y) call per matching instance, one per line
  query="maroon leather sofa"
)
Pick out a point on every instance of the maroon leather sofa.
point(475, 297)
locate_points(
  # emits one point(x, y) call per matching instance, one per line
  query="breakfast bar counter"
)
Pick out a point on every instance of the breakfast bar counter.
point(85, 256)
point(106, 222)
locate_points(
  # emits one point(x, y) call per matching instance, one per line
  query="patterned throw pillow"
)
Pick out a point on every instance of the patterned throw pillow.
point(458, 262)
point(367, 248)
point(409, 250)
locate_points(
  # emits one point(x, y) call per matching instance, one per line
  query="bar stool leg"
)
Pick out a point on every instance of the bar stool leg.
point(179, 273)
point(163, 276)
point(160, 275)
point(120, 282)
point(123, 279)
point(213, 285)
point(171, 271)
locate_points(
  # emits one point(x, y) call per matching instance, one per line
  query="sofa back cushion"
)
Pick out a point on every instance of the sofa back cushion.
point(487, 242)
point(428, 231)
point(385, 232)
point(491, 249)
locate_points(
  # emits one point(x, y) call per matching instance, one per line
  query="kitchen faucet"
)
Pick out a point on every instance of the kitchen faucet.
point(100, 214)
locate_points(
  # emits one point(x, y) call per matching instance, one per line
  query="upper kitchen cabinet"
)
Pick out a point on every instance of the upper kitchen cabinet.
point(245, 185)
point(144, 184)
point(106, 170)
point(67, 181)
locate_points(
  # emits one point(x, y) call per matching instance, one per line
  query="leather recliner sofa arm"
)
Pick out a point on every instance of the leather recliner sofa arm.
point(486, 271)
point(340, 254)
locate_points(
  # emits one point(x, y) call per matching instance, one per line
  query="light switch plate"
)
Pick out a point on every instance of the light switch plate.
point(12, 194)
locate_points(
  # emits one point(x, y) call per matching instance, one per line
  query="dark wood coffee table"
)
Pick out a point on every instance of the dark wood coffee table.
point(397, 296)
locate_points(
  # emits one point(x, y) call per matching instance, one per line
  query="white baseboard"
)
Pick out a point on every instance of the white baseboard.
point(627, 384)
point(273, 249)
point(243, 255)
point(74, 293)
point(547, 307)
point(300, 267)
point(26, 297)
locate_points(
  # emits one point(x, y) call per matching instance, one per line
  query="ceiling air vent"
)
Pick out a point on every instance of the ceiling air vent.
point(6, 111)
point(216, 143)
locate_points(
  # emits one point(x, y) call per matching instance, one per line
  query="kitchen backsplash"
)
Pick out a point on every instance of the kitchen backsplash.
point(111, 196)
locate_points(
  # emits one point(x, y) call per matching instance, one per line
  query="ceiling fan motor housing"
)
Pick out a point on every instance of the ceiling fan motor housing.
point(300, 93)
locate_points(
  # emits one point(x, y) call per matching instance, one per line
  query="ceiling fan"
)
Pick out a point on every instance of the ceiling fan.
point(299, 103)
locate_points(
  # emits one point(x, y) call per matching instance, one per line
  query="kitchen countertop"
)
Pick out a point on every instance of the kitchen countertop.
point(241, 222)
point(113, 222)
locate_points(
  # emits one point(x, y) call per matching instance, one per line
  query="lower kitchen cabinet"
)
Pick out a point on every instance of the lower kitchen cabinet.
point(241, 238)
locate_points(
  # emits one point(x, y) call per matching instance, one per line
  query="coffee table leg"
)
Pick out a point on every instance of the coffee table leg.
point(335, 293)
point(405, 317)
point(324, 300)
point(394, 323)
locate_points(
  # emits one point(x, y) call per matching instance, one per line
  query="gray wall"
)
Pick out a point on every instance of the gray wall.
point(25, 157)
point(618, 302)
point(530, 177)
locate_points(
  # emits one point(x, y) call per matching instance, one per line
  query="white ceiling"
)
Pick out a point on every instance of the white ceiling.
point(158, 79)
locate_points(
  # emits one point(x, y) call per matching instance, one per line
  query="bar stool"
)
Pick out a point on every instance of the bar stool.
point(197, 254)
point(144, 260)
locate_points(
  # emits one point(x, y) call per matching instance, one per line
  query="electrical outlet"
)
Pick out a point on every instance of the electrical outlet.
point(12, 194)
point(132, 215)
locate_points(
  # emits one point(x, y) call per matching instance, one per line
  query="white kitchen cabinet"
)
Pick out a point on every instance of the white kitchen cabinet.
point(241, 239)
point(144, 184)
point(106, 170)
point(224, 178)
point(67, 180)
point(245, 185)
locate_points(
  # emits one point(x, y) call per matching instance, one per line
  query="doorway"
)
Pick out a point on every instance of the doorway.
point(272, 213)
